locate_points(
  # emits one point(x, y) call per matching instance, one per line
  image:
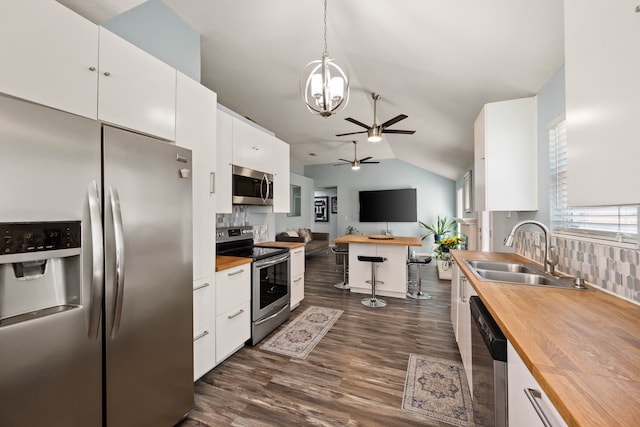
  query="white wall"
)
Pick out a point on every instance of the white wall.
point(435, 194)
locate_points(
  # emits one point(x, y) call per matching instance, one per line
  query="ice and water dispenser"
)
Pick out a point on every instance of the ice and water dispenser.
point(40, 269)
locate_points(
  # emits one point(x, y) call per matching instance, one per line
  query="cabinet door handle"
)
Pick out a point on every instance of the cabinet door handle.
point(298, 279)
point(463, 281)
point(204, 334)
point(92, 68)
point(231, 316)
point(235, 273)
point(212, 182)
point(534, 397)
point(201, 286)
point(107, 74)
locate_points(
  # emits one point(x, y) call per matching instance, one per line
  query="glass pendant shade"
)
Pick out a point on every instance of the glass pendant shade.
point(324, 86)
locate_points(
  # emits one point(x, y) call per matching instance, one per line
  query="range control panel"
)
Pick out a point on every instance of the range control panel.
point(25, 237)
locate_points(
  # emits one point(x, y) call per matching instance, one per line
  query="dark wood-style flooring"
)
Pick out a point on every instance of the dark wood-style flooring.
point(354, 377)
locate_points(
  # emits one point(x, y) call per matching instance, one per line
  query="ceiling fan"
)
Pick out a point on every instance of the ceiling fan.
point(374, 132)
point(355, 163)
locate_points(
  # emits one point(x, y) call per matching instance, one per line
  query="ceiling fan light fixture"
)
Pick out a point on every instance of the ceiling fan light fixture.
point(374, 135)
point(324, 83)
point(355, 165)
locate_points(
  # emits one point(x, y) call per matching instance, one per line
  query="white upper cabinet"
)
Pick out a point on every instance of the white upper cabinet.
point(506, 156)
point(224, 150)
point(196, 108)
point(49, 56)
point(602, 70)
point(136, 90)
point(252, 147)
point(281, 176)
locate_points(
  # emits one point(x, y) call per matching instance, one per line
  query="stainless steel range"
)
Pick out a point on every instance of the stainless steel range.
point(270, 279)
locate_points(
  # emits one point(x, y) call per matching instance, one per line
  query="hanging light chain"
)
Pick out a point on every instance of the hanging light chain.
point(326, 52)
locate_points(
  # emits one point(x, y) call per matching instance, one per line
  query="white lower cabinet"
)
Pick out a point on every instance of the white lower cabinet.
point(528, 404)
point(203, 326)
point(233, 310)
point(297, 276)
point(461, 290)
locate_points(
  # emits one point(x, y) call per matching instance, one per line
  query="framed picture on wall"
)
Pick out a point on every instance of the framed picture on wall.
point(334, 204)
point(467, 195)
point(321, 209)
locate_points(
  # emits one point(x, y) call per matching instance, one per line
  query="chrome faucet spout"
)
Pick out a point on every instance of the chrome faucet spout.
point(550, 255)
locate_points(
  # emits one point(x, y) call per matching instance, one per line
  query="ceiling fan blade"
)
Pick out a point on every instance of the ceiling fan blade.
point(355, 122)
point(369, 163)
point(352, 133)
point(396, 119)
point(365, 159)
point(345, 160)
point(341, 164)
point(404, 132)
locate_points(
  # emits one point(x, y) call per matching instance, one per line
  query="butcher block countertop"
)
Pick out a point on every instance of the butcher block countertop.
point(224, 262)
point(286, 245)
point(582, 346)
point(379, 240)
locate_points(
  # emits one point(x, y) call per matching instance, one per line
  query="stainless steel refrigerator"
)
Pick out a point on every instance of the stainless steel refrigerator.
point(95, 273)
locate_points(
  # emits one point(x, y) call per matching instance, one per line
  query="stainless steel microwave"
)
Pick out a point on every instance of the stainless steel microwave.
point(251, 187)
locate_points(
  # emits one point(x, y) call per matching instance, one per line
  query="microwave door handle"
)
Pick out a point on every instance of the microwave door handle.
point(97, 276)
point(264, 196)
point(118, 233)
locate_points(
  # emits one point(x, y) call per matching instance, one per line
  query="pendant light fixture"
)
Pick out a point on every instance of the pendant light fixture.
point(325, 84)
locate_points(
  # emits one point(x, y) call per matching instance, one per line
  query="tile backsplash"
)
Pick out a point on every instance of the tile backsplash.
point(611, 268)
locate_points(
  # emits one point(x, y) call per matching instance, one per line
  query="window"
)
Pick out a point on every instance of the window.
point(619, 223)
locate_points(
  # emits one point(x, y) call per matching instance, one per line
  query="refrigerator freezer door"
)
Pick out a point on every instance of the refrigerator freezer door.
point(148, 280)
point(50, 366)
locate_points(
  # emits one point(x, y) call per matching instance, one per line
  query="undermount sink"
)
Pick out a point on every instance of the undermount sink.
point(509, 272)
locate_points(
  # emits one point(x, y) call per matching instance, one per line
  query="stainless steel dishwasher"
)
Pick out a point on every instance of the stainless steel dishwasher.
point(488, 367)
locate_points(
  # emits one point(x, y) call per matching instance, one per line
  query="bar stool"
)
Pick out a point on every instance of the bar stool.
point(373, 301)
point(344, 253)
point(418, 262)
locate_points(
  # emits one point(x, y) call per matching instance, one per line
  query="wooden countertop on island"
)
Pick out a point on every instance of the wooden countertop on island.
point(379, 240)
point(286, 245)
point(224, 262)
point(582, 346)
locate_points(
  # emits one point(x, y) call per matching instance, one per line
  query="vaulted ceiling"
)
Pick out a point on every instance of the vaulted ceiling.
point(436, 61)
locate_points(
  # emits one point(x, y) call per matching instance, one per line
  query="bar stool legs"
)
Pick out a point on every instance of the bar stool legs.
point(344, 253)
point(373, 301)
point(418, 262)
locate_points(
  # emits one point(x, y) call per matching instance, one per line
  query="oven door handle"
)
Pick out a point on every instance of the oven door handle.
point(266, 319)
point(270, 261)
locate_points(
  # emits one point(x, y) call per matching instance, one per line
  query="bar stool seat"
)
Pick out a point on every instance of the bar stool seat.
point(344, 253)
point(373, 301)
point(419, 262)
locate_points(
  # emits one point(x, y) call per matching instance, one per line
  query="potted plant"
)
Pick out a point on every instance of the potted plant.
point(441, 227)
point(445, 245)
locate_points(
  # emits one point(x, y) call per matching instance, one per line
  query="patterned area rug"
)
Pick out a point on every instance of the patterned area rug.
point(438, 389)
point(300, 336)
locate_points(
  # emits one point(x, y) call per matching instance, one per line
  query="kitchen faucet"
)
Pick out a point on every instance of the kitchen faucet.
point(550, 254)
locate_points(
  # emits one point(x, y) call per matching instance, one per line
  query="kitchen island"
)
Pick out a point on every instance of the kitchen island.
point(582, 347)
point(392, 272)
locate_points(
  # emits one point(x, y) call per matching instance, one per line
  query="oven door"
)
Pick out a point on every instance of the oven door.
point(251, 187)
point(270, 285)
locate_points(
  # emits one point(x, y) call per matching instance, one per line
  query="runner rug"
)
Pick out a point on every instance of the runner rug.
point(299, 337)
point(437, 388)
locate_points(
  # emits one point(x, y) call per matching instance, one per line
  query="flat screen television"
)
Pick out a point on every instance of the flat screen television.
point(389, 205)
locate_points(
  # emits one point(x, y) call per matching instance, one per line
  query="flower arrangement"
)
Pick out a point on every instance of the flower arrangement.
point(446, 244)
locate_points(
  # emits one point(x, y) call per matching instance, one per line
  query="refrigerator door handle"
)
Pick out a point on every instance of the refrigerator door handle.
point(97, 277)
point(118, 233)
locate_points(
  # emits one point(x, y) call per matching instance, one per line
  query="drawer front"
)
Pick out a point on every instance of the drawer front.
point(297, 262)
point(203, 304)
point(204, 352)
point(233, 328)
point(233, 287)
